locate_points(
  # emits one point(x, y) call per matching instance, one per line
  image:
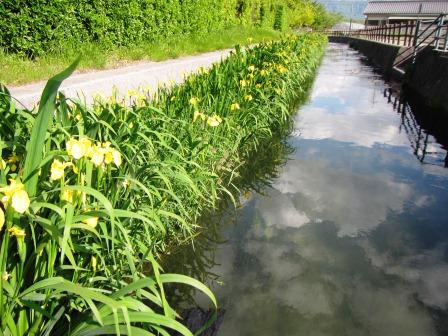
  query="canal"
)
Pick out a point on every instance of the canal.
point(348, 235)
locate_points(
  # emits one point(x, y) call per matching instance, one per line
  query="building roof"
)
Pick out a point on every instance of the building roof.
point(406, 7)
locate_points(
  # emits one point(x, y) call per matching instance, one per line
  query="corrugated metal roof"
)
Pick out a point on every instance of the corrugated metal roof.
point(406, 7)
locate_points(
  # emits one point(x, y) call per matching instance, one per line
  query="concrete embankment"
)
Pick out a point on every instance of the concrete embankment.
point(427, 77)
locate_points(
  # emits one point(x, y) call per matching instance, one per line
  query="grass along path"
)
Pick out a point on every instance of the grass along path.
point(15, 70)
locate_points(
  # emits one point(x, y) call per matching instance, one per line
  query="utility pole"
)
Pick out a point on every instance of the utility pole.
point(351, 15)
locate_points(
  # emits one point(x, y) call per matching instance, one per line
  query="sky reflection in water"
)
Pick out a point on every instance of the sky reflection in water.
point(351, 238)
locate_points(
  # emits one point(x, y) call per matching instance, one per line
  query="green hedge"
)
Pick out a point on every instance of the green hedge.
point(36, 27)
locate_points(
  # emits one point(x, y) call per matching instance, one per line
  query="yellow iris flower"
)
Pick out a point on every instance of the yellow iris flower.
point(18, 233)
point(57, 169)
point(131, 93)
point(91, 221)
point(234, 107)
point(67, 195)
point(248, 97)
point(5, 276)
point(125, 183)
point(251, 68)
point(214, 120)
point(104, 153)
point(97, 155)
point(197, 115)
point(281, 69)
point(15, 195)
point(13, 160)
point(194, 100)
point(78, 148)
point(243, 83)
point(112, 155)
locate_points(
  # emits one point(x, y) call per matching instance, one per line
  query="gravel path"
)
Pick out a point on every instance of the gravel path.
point(146, 74)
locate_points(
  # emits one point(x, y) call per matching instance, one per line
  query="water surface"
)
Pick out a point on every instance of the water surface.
point(351, 237)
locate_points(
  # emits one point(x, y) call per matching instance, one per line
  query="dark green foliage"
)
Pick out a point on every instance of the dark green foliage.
point(32, 28)
point(35, 27)
point(262, 15)
point(324, 19)
point(278, 19)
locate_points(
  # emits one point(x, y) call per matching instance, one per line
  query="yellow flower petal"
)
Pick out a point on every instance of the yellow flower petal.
point(13, 158)
point(18, 233)
point(57, 170)
point(78, 148)
point(116, 157)
point(7, 190)
point(93, 263)
point(194, 100)
point(196, 115)
point(6, 276)
point(2, 219)
point(108, 158)
point(20, 201)
point(131, 93)
point(97, 155)
point(85, 145)
point(77, 152)
point(67, 195)
point(92, 221)
point(125, 183)
point(234, 106)
point(214, 121)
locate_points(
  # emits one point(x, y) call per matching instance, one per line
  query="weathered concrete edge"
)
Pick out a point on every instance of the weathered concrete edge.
point(427, 78)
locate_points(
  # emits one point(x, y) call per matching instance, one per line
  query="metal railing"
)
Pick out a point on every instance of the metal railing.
point(415, 35)
point(424, 145)
point(434, 34)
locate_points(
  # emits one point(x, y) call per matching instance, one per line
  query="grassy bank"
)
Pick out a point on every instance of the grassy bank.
point(106, 187)
point(16, 70)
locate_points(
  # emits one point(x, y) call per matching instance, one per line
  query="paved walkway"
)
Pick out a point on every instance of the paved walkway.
point(146, 74)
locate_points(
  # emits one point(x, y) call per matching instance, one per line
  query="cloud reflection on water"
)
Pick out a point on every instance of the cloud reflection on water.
point(351, 239)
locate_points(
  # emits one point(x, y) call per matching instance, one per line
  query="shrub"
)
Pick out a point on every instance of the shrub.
point(34, 28)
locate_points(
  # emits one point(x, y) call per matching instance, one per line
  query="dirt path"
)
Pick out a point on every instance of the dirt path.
point(146, 74)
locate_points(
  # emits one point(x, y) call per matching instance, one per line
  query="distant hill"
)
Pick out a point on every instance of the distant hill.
point(347, 8)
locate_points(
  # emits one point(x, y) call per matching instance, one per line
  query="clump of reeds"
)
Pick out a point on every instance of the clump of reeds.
point(90, 194)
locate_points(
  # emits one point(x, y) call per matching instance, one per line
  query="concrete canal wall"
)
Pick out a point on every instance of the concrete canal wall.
point(428, 77)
